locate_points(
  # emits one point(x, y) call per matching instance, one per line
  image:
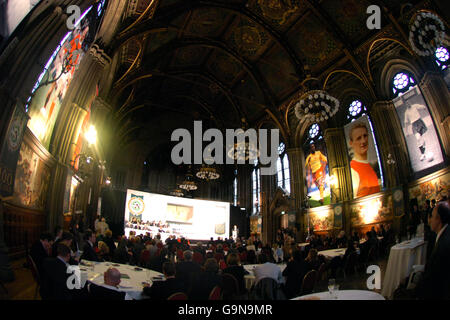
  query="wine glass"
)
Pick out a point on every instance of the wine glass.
point(335, 291)
point(331, 285)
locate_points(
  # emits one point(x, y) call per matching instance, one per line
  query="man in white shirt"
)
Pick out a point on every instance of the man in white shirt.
point(414, 123)
point(267, 270)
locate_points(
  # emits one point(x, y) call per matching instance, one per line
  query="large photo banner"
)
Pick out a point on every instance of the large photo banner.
point(47, 100)
point(317, 173)
point(364, 165)
point(421, 138)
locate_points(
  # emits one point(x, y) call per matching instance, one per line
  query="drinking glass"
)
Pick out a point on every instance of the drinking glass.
point(335, 291)
point(331, 286)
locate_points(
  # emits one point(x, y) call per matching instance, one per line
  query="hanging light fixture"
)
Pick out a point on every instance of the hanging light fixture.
point(177, 192)
point(207, 173)
point(243, 150)
point(426, 32)
point(188, 184)
point(317, 106)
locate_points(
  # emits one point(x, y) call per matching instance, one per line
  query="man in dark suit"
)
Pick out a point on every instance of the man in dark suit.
point(88, 249)
point(108, 291)
point(67, 239)
point(435, 283)
point(187, 270)
point(40, 250)
point(161, 290)
point(55, 285)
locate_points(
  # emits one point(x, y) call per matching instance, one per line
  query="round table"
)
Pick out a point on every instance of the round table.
point(343, 295)
point(303, 245)
point(402, 257)
point(250, 278)
point(332, 253)
point(131, 281)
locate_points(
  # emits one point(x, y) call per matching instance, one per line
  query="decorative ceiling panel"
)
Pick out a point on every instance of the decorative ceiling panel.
point(311, 41)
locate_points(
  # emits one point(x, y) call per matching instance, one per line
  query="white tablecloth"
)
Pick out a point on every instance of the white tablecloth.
point(132, 286)
point(303, 245)
point(250, 278)
point(345, 295)
point(330, 254)
point(401, 259)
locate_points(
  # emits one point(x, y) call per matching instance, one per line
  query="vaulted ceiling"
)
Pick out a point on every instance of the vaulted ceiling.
point(222, 61)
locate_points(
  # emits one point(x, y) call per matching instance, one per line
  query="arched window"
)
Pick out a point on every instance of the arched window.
point(356, 110)
point(402, 82)
point(235, 188)
point(283, 178)
point(442, 57)
point(256, 188)
point(100, 7)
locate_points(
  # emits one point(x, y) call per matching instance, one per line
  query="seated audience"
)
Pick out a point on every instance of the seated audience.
point(267, 270)
point(208, 279)
point(161, 290)
point(40, 250)
point(435, 283)
point(103, 251)
point(187, 270)
point(108, 239)
point(234, 268)
point(88, 249)
point(110, 289)
point(293, 273)
point(55, 277)
point(121, 254)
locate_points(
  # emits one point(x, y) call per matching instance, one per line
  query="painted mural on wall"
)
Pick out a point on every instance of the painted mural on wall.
point(321, 220)
point(421, 138)
point(432, 189)
point(46, 103)
point(32, 180)
point(377, 210)
point(256, 224)
point(365, 168)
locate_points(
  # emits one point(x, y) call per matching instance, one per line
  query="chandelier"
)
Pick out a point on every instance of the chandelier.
point(243, 151)
point(426, 33)
point(316, 105)
point(188, 184)
point(207, 173)
point(177, 192)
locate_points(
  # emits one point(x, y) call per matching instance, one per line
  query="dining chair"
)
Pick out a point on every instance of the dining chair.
point(3, 287)
point(230, 288)
point(178, 296)
point(216, 294)
point(309, 282)
point(35, 273)
point(350, 264)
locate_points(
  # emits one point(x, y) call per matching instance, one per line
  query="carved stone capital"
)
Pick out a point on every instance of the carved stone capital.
point(100, 55)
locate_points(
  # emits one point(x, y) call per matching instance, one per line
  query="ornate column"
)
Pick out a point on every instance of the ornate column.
point(268, 187)
point(339, 167)
point(245, 188)
point(437, 95)
point(390, 141)
point(74, 108)
point(338, 164)
point(296, 160)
